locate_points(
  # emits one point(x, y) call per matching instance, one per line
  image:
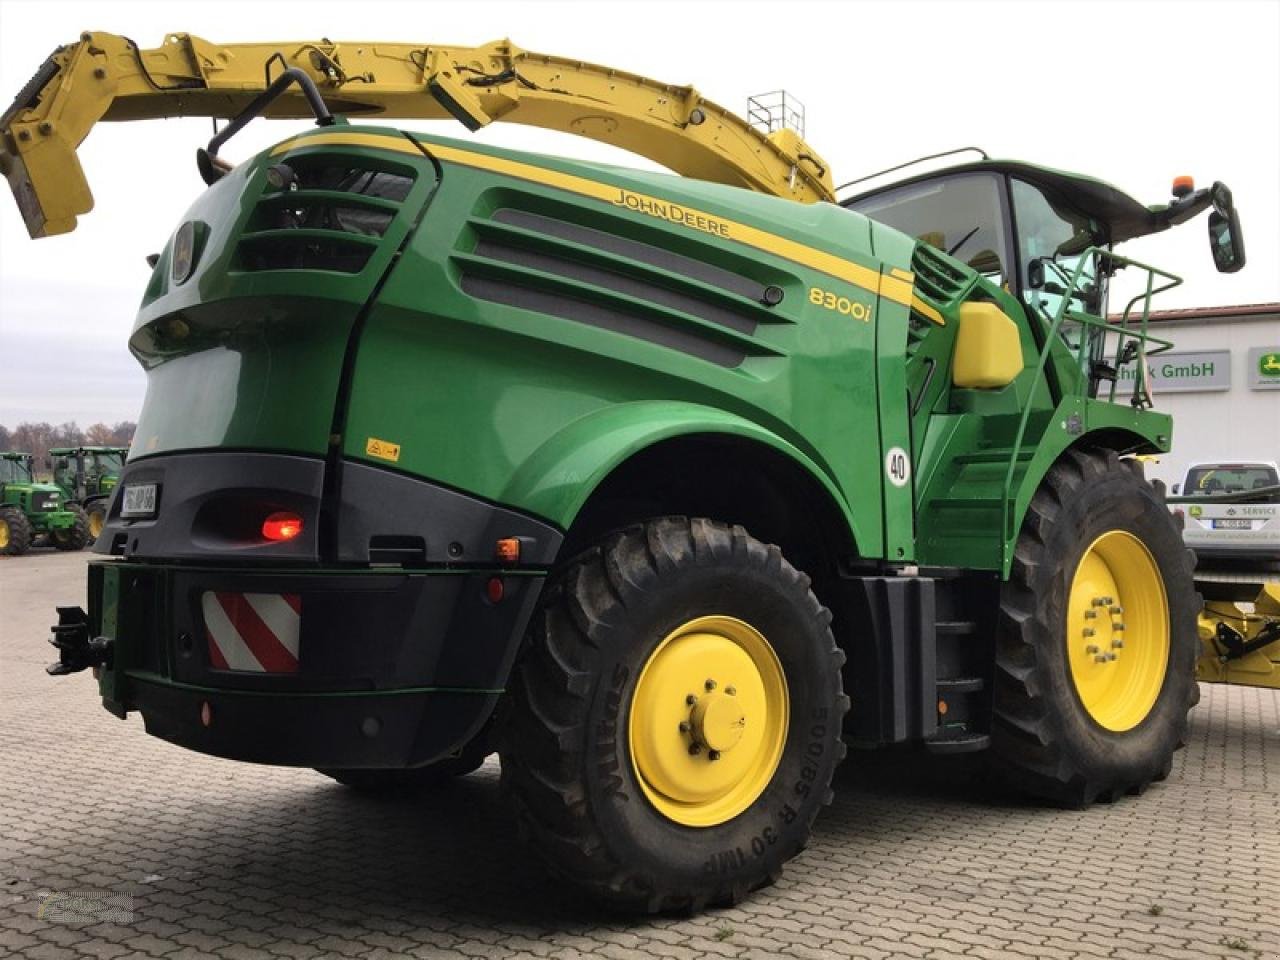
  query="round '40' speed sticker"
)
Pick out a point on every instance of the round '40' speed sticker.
point(898, 467)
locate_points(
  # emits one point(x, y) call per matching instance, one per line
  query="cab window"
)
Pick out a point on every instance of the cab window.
point(1052, 240)
point(960, 215)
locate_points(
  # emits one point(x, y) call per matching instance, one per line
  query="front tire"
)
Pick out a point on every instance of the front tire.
point(95, 512)
point(75, 537)
point(676, 720)
point(15, 532)
point(1097, 644)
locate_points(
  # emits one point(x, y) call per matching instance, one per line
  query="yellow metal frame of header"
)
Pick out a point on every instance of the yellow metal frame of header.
point(107, 77)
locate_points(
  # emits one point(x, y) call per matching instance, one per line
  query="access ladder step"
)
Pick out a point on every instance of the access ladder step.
point(957, 742)
point(960, 685)
point(993, 456)
point(955, 627)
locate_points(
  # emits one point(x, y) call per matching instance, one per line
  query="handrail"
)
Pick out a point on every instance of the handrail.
point(1114, 262)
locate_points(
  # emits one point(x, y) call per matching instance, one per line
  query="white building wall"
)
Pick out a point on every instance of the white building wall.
point(1237, 424)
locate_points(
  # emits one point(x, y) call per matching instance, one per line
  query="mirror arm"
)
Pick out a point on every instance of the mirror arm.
point(212, 167)
point(1180, 211)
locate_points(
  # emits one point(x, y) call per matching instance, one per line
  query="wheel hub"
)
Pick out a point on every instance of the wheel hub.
point(708, 721)
point(717, 721)
point(1117, 631)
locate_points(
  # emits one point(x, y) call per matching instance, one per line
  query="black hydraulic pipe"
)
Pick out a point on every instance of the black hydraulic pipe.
point(211, 169)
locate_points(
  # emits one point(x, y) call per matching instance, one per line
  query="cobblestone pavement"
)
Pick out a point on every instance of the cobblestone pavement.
point(209, 858)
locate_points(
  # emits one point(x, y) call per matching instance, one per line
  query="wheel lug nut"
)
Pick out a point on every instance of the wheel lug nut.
point(1099, 601)
point(684, 726)
point(694, 749)
point(691, 699)
point(1116, 611)
point(731, 691)
point(1111, 656)
point(1100, 658)
point(1089, 631)
point(1091, 614)
point(710, 684)
point(1117, 626)
point(713, 754)
point(1118, 644)
point(1092, 648)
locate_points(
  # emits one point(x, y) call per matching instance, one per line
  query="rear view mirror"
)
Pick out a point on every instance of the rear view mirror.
point(1226, 240)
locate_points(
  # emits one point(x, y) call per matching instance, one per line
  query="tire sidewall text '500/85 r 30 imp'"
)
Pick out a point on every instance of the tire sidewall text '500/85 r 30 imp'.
point(676, 720)
point(1097, 645)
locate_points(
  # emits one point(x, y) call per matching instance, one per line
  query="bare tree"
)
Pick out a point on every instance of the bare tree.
point(122, 433)
point(99, 435)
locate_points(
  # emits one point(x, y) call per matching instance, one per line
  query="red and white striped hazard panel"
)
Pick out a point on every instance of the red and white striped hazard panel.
point(252, 631)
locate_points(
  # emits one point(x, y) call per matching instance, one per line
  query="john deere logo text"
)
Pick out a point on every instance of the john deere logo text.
point(672, 212)
point(1269, 364)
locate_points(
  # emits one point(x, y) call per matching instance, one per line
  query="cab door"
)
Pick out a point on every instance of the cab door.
point(966, 216)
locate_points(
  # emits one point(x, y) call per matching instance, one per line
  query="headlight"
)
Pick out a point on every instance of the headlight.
point(183, 260)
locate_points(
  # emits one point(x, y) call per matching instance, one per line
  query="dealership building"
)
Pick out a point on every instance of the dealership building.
point(1221, 382)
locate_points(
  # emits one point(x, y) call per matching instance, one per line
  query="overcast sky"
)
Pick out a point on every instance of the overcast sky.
point(1134, 93)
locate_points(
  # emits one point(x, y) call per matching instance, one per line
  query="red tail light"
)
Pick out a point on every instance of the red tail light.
point(282, 526)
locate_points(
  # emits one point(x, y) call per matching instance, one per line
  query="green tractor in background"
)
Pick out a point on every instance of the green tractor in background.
point(29, 509)
point(88, 476)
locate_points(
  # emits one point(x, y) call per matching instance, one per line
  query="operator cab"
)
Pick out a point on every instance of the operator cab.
point(15, 468)
point(1024, 228)
point(1042, 235)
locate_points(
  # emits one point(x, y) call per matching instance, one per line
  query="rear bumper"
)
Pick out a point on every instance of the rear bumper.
point(1242, 547)
point(394, 668)
point(402, 728)
point(1269, 551)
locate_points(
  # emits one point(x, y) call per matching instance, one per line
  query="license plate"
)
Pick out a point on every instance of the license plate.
point(139, 500)
point(1237, 524)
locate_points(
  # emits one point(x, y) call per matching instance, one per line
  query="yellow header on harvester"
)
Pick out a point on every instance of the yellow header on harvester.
point(108, 77)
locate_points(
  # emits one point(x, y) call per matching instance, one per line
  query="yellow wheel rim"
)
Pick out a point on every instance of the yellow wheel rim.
point(1118, 631)
point(708, 721)
point(4, 534)
point(95, 524)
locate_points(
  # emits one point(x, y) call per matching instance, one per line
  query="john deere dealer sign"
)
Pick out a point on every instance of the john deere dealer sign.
point(1186, 372)
point(1264, 368)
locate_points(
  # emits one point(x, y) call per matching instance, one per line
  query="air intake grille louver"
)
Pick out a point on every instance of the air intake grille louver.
point(331, 217)
point(561, 268)
point(44, 501)
point(935, 278)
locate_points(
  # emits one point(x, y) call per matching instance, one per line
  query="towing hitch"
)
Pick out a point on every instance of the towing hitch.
point(76, 649)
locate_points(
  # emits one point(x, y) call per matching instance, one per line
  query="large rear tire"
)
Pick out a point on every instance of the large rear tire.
point(74, 537)
point(1097, 644)
point(15, 532)
point(676, 720)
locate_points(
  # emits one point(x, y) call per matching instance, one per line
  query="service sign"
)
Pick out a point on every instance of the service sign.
point(1202, 371)
point(1264, 368)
